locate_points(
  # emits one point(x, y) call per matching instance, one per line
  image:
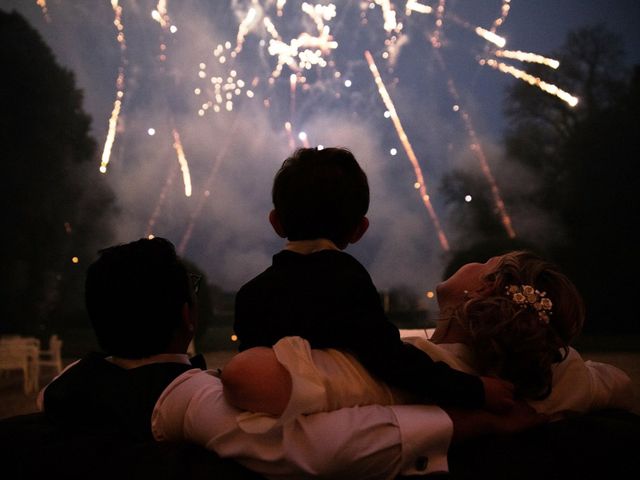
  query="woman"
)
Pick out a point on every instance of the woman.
point(512, 317)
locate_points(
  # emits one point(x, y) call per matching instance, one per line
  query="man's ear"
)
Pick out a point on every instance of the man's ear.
point(274, 220)
point(360, 230)
point(189, 318)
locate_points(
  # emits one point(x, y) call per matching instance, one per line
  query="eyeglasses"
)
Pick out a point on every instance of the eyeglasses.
point(195, 281)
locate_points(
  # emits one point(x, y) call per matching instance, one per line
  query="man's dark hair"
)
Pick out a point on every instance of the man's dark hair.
point(134, 295)
point(320, 194)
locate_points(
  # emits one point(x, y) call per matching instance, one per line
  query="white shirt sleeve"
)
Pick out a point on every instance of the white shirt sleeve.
point(611, 386)
point(580, 387)
point(361, 442)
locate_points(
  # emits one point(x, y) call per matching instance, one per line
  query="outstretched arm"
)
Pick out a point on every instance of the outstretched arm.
point(582, 386)
point(498, 394)
point(364, 442)
point(468, 424)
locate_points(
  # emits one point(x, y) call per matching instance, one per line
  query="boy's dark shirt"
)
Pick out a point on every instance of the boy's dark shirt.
point(328, 298)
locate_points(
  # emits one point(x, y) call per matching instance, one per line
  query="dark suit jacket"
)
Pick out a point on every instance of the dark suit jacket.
point(97, 425)
point(97, 396)
point(328, 298)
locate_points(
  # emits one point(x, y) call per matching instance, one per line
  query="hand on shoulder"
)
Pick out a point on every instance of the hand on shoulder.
point(498, 394)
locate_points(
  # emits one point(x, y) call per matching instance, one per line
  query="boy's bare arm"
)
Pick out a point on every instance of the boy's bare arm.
point(254, 380)
point(473, 423)
point(498, 394)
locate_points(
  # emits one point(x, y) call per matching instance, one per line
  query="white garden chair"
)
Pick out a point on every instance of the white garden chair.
point(53, 356)
point(22, 353)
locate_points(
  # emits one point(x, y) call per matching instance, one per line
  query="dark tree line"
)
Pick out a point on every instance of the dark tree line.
point(54, 204)
point(581, 162)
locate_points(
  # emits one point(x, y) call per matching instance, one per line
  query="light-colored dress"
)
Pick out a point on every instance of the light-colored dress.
point(328, 379)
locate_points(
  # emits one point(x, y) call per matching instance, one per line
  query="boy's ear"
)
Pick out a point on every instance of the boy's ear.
point(274, 220)
point(360, 230)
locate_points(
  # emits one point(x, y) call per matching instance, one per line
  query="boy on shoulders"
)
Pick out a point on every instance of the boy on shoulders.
point(317, 291)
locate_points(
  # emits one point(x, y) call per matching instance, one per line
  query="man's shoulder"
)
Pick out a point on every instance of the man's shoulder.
point(185, 390)
point(89, 364)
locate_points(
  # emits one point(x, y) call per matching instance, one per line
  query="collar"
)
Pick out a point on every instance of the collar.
point(305, 247)
point(129, 363)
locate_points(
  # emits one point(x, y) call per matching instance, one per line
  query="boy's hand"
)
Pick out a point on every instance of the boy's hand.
point(521, 416)
point(474, 423)
point(498, 394)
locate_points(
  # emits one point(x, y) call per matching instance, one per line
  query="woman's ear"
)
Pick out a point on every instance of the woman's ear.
point(360, 230)
point(274, 220)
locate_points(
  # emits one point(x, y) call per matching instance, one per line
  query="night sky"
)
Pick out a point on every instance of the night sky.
point(233, 155)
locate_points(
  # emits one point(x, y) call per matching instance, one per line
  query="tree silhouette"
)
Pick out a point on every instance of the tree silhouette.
point(55, 206)
point(582, 161)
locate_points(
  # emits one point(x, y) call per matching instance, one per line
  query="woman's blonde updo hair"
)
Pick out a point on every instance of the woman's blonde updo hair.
point(512, 342)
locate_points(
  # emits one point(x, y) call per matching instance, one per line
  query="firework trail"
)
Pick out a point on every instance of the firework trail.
point(415, 6)
point(182, 164)
point(476, 148)
point(182, 160)
point(304, 138)
point(435, 37)
point(161, 15)
point(532, 80)
point(244, 28)
point(523, 57)
point(117, 104)
point(492, 37)
point(528, 57)
point(195, 214)
point(504, 13)
point(288, 130)
point(311, 48)
point(45, 11)
point(388, 15)
point(420, 183)
point(293, 83)
point(161, 199)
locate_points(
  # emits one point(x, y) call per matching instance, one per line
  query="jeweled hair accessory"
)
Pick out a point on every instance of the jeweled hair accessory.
point(528, 297)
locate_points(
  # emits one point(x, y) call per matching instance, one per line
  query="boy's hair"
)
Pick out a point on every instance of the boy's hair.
point(134, 295)
point(512, 342)
point(320, 194)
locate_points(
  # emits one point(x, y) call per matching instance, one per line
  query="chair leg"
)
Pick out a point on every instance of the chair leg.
point(35, 377)
point(26, 380)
